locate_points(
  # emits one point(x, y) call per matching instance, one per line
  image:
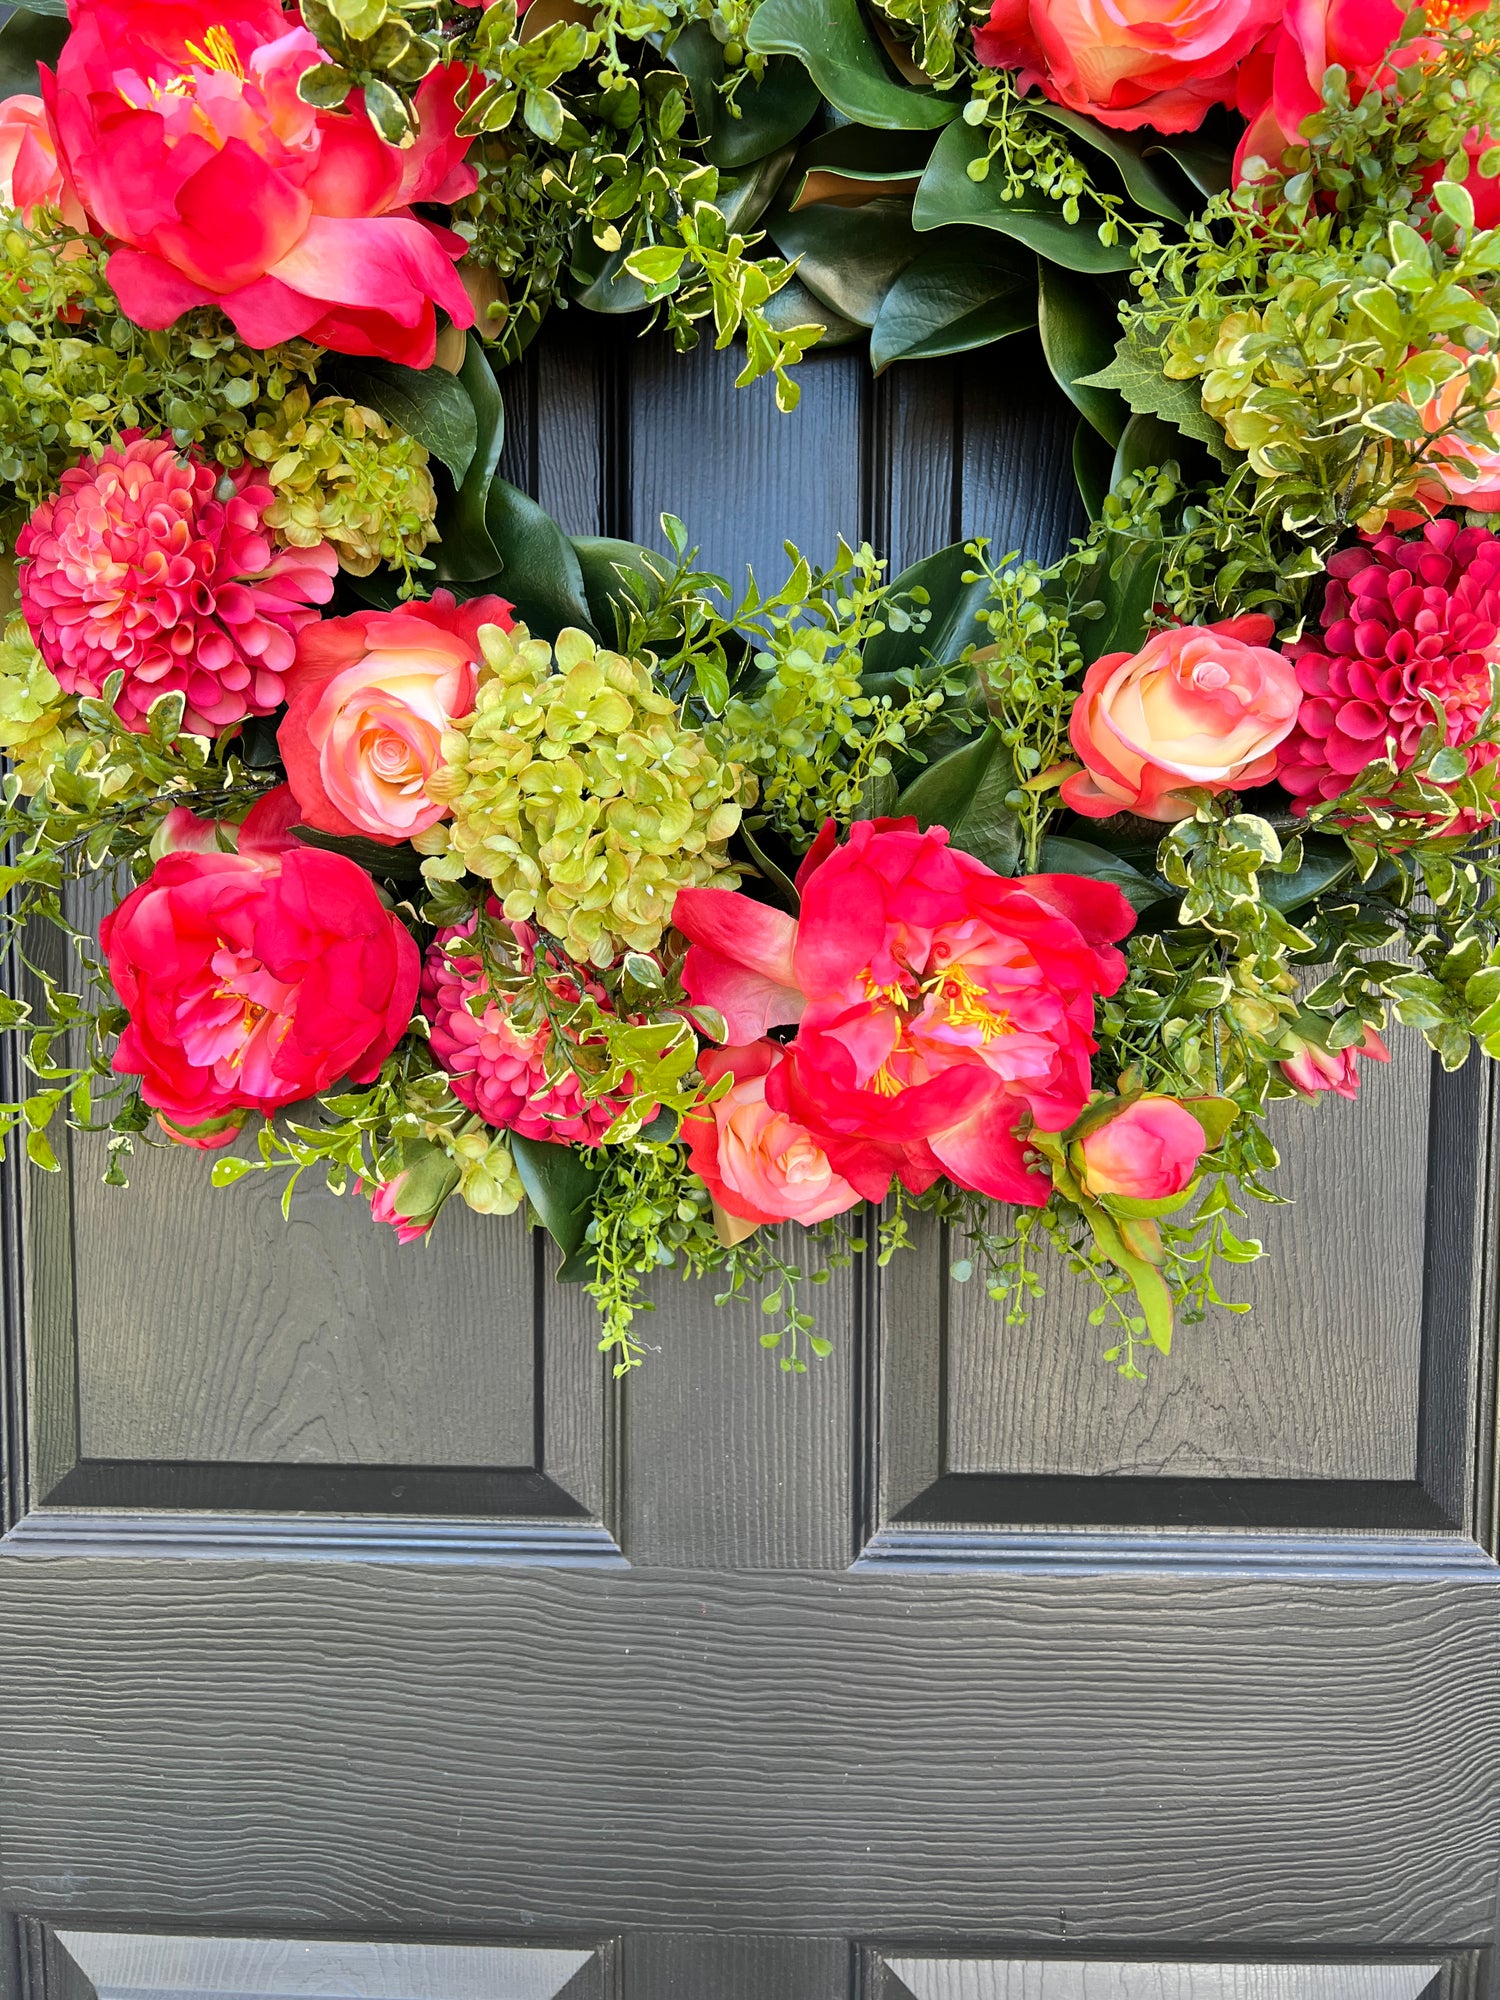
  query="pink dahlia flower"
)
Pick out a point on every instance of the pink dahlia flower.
point(497, 1069)
point(152, 562)
point(1405, 622)
point(182, 129)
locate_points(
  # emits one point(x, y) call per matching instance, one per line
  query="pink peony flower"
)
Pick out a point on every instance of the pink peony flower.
point(496, 1068)
point(30, 176)
point(182, 129)
point(1127, 63)
point(1405, 622)
point(1148, 1151)
point(759, 1164)
point(1202, 706)
point(256, 978)
point(939, 1005)
point(153, 563)
point(1313, 1070)
point(369, 698)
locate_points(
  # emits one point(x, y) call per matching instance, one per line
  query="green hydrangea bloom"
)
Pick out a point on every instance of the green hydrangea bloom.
point(581, 795)
point(342, 474)
point(34, 711)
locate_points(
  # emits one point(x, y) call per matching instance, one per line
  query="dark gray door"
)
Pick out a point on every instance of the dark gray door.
point(359, 1637)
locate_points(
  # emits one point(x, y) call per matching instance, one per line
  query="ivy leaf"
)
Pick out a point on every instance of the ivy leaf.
point(848, 257)
point(1077, 324)
point(428, 404)
point(560, 1186)
point(771, 112)
point(965, 792)
point(948, 195)
point(32, 35)
point(466, 549)
point(833, 44)
point(1081, 857)
point(954, 605)
point(964, 292)
point(1136, 373)
point(539, 569)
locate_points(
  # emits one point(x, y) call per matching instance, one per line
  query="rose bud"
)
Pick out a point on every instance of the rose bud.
point(1147, 1152)
point(1313, 1070)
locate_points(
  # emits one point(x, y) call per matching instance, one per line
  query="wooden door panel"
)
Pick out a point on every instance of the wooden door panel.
point(1040, 1979)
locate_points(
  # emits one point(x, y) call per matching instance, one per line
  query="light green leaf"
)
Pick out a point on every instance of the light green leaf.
point(1136, 373)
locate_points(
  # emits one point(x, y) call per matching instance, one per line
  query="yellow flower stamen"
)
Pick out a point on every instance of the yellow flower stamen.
point(218, 52)
point(966, 1006)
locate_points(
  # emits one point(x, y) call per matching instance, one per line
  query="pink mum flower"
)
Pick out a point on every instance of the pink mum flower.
point(152, 562)
point(1405, 622)
point(496, 1068)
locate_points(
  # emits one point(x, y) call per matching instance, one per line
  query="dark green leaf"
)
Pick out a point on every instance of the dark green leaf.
point(962, 293)
point(560, 1185)
point(851, 154)
point(610, 568)
point(428, 404)
point(966, 792)
point(400, 864)
point(771, 112)
point(777, 879)
point(1079, 326)
point(744, 198)
point(1128, 585)
point(600, 281)
point(848, 257)
point(947, 195)
point(831, 40)
point(1136, 373)
point(466, 550)
point(1210, 168)
point(1093, 462)
point(954, 606)
point(1322, 869)
point(1081, 857)
point(1147, 440)
point(1144, 181)
point(795, 305)
point(539, 571)
point(32, 35)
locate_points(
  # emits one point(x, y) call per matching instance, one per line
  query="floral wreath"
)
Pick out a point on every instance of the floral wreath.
point(456, 858)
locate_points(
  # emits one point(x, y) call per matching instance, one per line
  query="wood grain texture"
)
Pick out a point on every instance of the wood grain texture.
point(1228, 1765)
point(241, 1337)
point(1015, 453)
point(1042, 1979)
point(695, 1967)
point(124, 1967)
point(1319, 1381)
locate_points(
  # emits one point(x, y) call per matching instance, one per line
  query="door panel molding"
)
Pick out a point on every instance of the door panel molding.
point(952, 1975)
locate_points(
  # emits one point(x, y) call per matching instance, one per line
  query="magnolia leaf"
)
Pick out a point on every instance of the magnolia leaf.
point(428, 404)
point(1093, 467)
point(467, 550)
point(1136, 373)
point(966, 792)
point(776, 877)
point(848, 257)
point(960, 294)
point(794, 305)
point(838, 164)
point(560, 1186)
point(1080, 857)
point(1330, 864)
point(539, 570)
point(743, 199)
point(770, 112)
point(1146, 441)
point(32, 35)
point(616, 573)
point(399, 862)
point(1210, 168)
point(953, 605)
point(1077, 324)
point(1126, 151)
point(831, 41)
point(948, 195)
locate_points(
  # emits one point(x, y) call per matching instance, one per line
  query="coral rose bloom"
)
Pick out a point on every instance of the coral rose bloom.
point(1203, 706)
point(939, 1005)
point(369, 699)
point(30, 176)
point(759, 1164)
point(256, 978)
point(1147, 1152)
point(1127, 63)
point(181, 128)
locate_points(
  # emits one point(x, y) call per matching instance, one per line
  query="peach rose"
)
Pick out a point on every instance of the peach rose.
point(1162, 63)
point(760, 1165)
point(30, 176)
point(1442, 482)
point(1313, 1070)
point(1203, 706)
point(370, 697)
point(1148, 1151)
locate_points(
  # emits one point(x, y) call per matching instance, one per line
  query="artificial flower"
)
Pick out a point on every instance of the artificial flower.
point(183, 131)
point(939, 1006)
point(151, 563)
point(255, 978)
point(1127, 63)
point(369, 697)
point(1456, 472)
point(759, 1164)
point(1200, 706)
point(499, 1066)
point(1409, 630)
point(30, 175)
point(1148, 1151)
point(1313, 1070)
